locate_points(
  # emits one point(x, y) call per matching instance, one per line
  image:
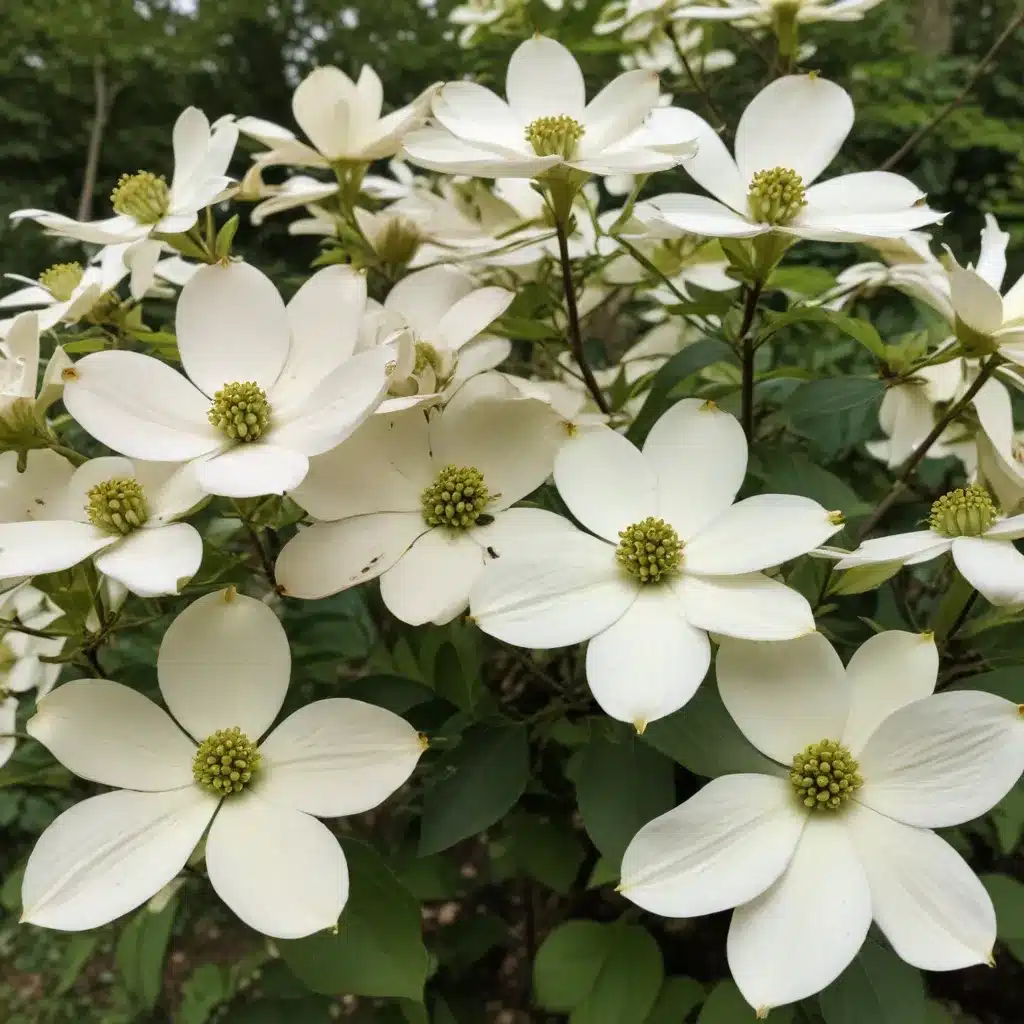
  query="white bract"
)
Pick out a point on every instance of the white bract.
point(673, 559)
point(145, 206)
point(21, 407)
point(786, 138)
point(771, 12)
point(546, 123)
point(268, 386)
point(223, 670)
point(424, 501)
point(121, 514)
point(342, 120)
point(967, 523)
point(432, 322)
point(868, 762)
point(986, 321)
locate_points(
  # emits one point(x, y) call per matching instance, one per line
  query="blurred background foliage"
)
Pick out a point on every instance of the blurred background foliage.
point(89, 89)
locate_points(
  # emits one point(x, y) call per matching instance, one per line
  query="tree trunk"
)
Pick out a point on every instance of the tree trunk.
point(103, 99)
point(933, 27)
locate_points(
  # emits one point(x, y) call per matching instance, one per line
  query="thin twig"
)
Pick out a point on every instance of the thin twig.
point(962, 617)
point(698, 86)
point(983, 66)
point(745, 344)
point(917, 456)
point(575, 334)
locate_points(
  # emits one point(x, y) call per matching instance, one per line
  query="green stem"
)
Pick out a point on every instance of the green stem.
point(747, 350)
point(954, 609)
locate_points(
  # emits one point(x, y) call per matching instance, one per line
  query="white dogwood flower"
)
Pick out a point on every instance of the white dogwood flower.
point(223, 670)
point(786, 138)
point(267, 385)
point(432, 322)
point(867, 762)
point(965, 522)
point(21, 406)
point(424, 501)
point(121, 514)
point(769, 12)
point(673, 559)
point(145, 206)
point(547, 123)
point(342, 120)
point(986, 321)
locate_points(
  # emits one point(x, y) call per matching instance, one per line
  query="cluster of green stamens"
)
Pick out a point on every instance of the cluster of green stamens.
point(456, 499)
point(144, 196)
point(62, 279)
point(426, 355)
point(117, 506)
point(241, 411)
point(398, 242)
point(554, 136)
point(776, 196)
point(965, 512)
point(825, 775)
point(649, 550)
point(225, 761)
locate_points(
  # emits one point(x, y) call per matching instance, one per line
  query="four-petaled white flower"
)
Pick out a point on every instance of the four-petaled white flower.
point(121, 514)
point(547, 122)
point(673, 559)
point(966, 523)
point(887, 762)
point(432, 323)
point(267, 386)
point(787, 136)
point(145, 206)
point(223, 670)
point(341, 118)
point(423, 501)
point(984, 319)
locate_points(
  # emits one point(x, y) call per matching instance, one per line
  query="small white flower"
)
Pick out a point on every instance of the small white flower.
point(423, 502)
point(146, 206)
point(997, 320)
point(267, 386)
point(787, 136)
point(673, 559)
point(432, 322)
point(342, 120)
point(19, 370)
point(767, 12)
point(547, 123)
point(120, 514)
point(967, 523)
point(806, 883)
point(66, 292)
point(223, 670)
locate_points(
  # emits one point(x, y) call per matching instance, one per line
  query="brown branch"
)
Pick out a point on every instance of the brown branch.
point(983, 66)
point(103, 97)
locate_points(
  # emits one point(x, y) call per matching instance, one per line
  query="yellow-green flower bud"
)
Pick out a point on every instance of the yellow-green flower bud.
point(62, 279)
point(240, 411)
point(226, 761)
point(650, 551)
point(825, 775)
point(456, 499)
point(117, 506)
point(144, 196)
point(965, 512)
point(554, 136)
point(776, 196)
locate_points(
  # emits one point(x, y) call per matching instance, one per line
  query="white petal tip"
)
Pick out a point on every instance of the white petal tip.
point(836, 518)
point(990, 960)
point(928, 637)
point(229, 594)
point(709, 406)
point(69, 373)
point(640, 725)
point(424, 741)
point(762, 1012)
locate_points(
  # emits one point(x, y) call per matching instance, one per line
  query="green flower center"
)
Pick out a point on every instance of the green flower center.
point(144, 196)
point(965, 512)
point(226, 761)
point(62, 279)
point(426, 355)
point(117, 506)
point(456, 499)
point(240, 411)
point(776, 196)
point(650, 551)
point(825, 775)
point(554, 136)
point(398, 242)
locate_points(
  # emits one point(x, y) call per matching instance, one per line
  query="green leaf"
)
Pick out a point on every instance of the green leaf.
point(815, 399)
point(807, 280)
point(795, 473)
point(202, 992)
point(226, 235)
point(1004, 682)
point(725, 1005)
point(678, 996)
point(141, 949)
point(378, 949)
point(878, 987)
point(703, 738)
point(862, 578)
point(454, 680)
point(621, 784)
point(549, 851)
point(474, 785)
point(77, 952)
point(568, 963)
point(311, 1010)
point(1008, 819)
point(692, 358)
point(1008, 896)
point(601, 974)
point(392, 692)
point(629, 981)
point(860, 330)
